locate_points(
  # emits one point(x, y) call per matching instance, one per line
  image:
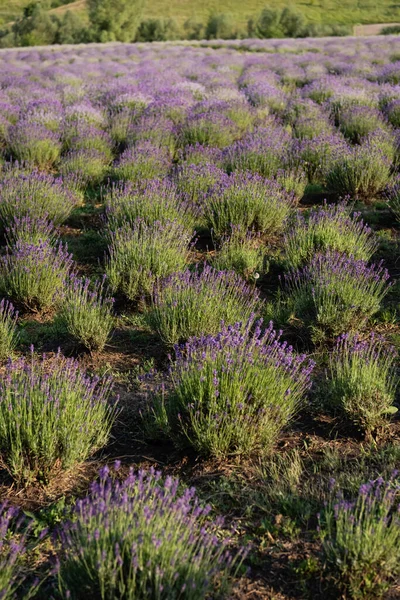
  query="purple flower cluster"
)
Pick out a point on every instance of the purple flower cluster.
point(145, 535)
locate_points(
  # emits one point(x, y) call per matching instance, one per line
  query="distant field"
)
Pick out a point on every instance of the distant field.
point(328, 11)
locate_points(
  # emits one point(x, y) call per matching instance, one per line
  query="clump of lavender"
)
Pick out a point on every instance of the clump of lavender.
point(335, 292)
point(8, 329)
point(51, 416)
point(13, 542)
point(194, 303)
point(34, 275)
point(361, 538)
point(144, 537)
point(200, 155)
point(393, 112)
point(35, 195)
point(316, 155)
point(143, 161)
point(34, 143)
point(193, 181)
point(154, 200)
point(328, 227)
point(208, 129)
point(361, 381)
point(33, 230)
point(263, 151)
point(88, 167)
point(232, 393)
point(356, 122)
point(361, 172)
point(242, 253)
point(141, 253)
point(393, 197)
point(89, 138)
point(86, 313)
point(247, 201)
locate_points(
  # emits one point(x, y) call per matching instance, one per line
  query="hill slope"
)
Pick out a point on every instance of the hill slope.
point(327, 11)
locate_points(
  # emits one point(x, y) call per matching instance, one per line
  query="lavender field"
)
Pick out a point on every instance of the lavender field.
point(200, 320)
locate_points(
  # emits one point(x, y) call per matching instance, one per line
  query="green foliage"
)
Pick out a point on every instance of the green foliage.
point(232, 393)
point(114, 20)
point(364, 172)
point(33, 276)
point(361, 382)
point(242, 254)
point(329, 227)
point(361, 539)
point(140, 254)
point(86, 313)
point(52, 416)
point(8, 329)
point(193, 304)
point(220, 27)
point(35, 28)
point(276, 23)
point(157, 30)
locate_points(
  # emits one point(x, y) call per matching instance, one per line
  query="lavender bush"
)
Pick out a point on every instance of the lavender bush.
point(34, 276)
point(247, 201)
point(335, 292)
point(13, 543)
point(233, 392)
point(86, 313)
point(154, 200)
point(328, 227)
point(362, 172)
point(35, 195)
point(34, 143)
point(88, 167)
point(192, 303)
point(8, 329)
point(243, 254)
point(30, 230)
point(361, 381)
point(51, 416)
point(140, 254)
point(361, 539)
point(144, 537)
point(143, 161)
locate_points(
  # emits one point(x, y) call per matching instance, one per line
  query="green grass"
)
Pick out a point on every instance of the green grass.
point(317, 11)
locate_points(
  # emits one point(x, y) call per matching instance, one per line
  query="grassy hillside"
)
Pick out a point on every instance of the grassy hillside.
point(327, 11)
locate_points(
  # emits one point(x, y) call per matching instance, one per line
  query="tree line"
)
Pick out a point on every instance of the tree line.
point(121, 20)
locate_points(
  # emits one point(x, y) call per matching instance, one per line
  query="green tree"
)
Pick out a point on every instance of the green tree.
point(268, 24)
point(114, 20)
point(71, 30)
point(36, 27)
point(220, 27)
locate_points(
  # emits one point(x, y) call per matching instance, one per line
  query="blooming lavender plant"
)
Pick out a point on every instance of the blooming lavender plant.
point(357, 122)
point(143, 161)
point(335, 292)
point(144, 537)
point(35, 195)
point(361, 538)
point(233, 392)
point(154, 200)
point(361, 381)
point(393, 197)
point(141, 253)
point(88, 167)
point(192, 303)
point(242, 253)
point(86, 313)
point(264, 152)
point(34, 143)
point(34, 276)
point(33, 230)
point(248, 201)
point(361, 172)
point(13, 543)
point(328, 227)
point(51, 416)
point(8, 329)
